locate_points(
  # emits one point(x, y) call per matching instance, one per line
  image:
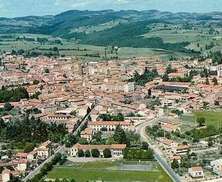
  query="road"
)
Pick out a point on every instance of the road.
point(37, 169)
point(61, 149)
point(141, 129)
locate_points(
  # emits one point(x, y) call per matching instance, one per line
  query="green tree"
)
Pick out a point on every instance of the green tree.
point(95, 153)
point(29, 147)
point(175, 164)
point(201, 121)
point(107, 153)
point(87, 153)
point(80, 153)
point(165, 77)
point(120, 136)
point(145, 145)
point(8, 106)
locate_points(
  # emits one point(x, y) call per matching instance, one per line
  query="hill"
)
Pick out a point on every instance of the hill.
point(128, 28)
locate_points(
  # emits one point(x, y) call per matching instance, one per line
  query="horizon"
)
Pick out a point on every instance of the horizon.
point(12, 8)
point(111, 10)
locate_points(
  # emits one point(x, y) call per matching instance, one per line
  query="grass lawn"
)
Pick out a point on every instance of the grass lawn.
point(212, 118)
point(107, 171)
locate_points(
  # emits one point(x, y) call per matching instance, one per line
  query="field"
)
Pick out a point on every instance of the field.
point(110, 172)
point(82, 51)
point(212, 118)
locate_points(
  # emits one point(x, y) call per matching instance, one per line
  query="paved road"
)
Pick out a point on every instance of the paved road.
point(141, 129)
point(61, 149)
point(37, 169)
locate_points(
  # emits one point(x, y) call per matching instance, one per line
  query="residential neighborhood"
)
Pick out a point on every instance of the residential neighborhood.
point(110, 91)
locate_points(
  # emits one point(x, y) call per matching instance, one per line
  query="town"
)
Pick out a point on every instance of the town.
point(60, 110)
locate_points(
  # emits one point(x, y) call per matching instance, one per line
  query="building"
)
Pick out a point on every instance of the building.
point(87, 134)
point(196, 172)
point(43, 151)
point(173, 86)
point(181, 149)
point(6, 174)
point(217, 166)
point(111, 125)
point(116, 149)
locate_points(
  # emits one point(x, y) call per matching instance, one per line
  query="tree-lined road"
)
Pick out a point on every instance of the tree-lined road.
point(141, 129)
point(61, 149)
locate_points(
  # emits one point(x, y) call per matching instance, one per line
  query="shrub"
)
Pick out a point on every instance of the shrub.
point(95, 152)
point(107, 153)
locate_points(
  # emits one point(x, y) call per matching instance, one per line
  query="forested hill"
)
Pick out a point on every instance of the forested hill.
point(108, 27)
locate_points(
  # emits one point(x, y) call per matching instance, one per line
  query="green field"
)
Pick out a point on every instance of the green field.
point(82, 51)
point(107, 171)
point(212, 118)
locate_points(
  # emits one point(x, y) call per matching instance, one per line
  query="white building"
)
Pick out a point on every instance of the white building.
point(116, 149)
point(111, 125)
point(196, 172)
point(6, 175)
point(43, 150)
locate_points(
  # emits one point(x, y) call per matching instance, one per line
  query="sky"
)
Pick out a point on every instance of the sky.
point(18, 8)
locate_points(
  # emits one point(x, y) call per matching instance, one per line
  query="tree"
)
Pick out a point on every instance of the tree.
point(165, 77)
point(207, 81)
point(80, 153)
point(97, 137)
point(201, 121)
point(29, 147)
point(8, 106)
point(95, 153)
point(215, 81)
point(107, 153)
point(120, 136)
point(149, 93)
point(36, 82)
point(70, 140)
point(2, 124)
point(87, 153)
point(169, 69)
point(175, 164)
point(46, 70)
point(145, 145)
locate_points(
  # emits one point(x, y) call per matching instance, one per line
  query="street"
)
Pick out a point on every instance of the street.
point(141, 129)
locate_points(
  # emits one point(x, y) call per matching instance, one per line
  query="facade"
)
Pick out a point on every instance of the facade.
point(43, 150)
point(181, 149)
point(87, 134)
point(111, 125)
point(196, 172)
point(116, 149)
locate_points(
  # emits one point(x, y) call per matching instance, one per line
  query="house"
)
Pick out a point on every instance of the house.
point(217, 166)
point(116, 149)
point(21, 165)
point(43, 150)
point(87, 134)
point(6, 174)
point(175, 157)
point(196, 172)
point(169, 127)
point(181, 149)
point(27, 156)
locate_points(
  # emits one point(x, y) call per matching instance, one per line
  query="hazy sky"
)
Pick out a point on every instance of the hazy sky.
point(13, 8)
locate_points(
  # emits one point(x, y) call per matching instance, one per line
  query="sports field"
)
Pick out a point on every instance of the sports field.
point(110, 172)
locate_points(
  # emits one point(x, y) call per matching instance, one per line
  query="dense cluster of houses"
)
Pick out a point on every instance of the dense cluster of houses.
point(67, 88)
point(20, 163)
